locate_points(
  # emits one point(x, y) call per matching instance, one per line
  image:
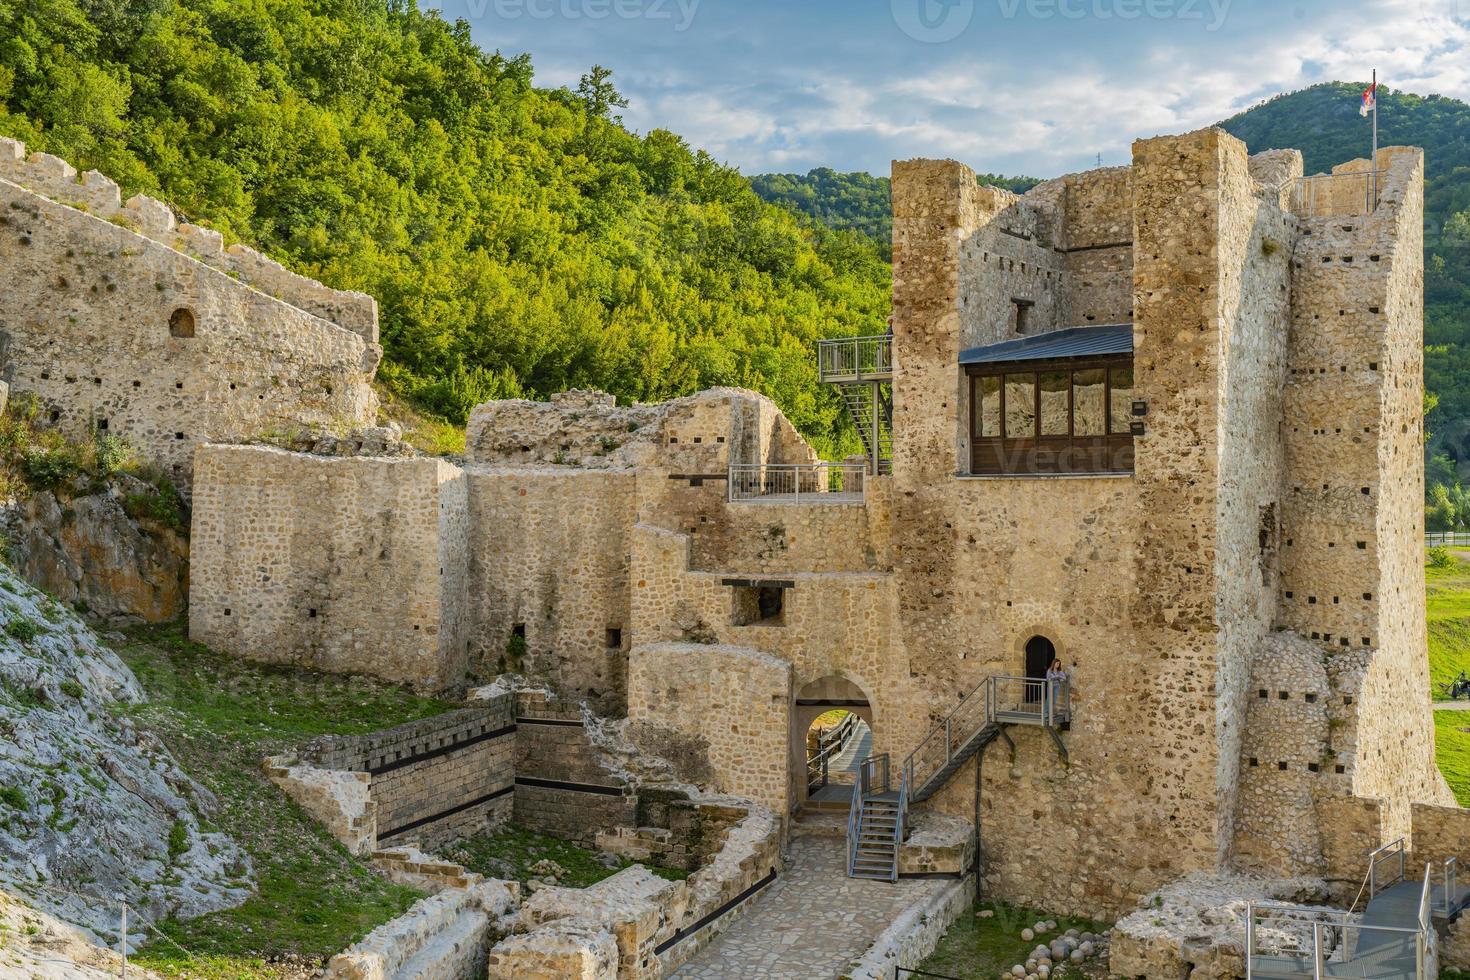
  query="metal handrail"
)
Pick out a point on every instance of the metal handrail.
point(854, 809)
point(829, 743)
point(1394, 849)
point(1304, 196)
point(898, 833)
point(1320, 918)
point(798, 482)
point(867, 358)
point(982, 707)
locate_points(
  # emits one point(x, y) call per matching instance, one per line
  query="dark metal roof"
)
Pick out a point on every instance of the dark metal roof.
point(1073, 342)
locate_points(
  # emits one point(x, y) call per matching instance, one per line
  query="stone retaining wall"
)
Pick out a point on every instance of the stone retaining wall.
point(562, 788)
point(636, 925)
point(433, 781)
point(444, 937)
point(340, 564)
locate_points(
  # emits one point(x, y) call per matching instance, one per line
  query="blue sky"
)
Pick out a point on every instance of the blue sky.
point(1010, 86)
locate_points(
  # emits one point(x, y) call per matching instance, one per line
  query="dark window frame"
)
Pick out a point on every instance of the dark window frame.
point(1044, 455)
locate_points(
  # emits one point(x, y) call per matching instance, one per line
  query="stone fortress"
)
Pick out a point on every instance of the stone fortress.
point(1161, 422)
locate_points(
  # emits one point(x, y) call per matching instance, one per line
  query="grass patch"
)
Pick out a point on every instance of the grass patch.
point(1447, 610)
point(1452, 751)
point(220, 716)
point(975, 948)
point(422, 430)
point(510, 852)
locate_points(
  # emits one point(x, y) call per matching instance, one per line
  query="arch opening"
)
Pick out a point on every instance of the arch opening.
point(837, 741)
point(181, 322)
point(1040, 652)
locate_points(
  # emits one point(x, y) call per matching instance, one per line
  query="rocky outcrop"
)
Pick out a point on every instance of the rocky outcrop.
point(118, 550)
point(91, 809)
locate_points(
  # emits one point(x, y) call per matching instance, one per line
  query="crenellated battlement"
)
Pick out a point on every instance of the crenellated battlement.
point(97, 194)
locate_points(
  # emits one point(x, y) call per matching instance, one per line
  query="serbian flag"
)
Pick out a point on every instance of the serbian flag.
point(1370, 100)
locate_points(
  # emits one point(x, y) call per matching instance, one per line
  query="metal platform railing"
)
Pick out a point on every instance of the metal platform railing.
point(1341, 945)
point(811, 483)
point(1325, 195)
point(1387, 866)
point(830, 743)
point(851, 359)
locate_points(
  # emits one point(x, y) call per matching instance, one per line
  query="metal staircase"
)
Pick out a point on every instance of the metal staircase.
point(862, 368)
point(878, 812)
point(875, 821)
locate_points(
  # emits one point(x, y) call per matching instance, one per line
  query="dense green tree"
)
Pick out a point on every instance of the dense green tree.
point(519, 240)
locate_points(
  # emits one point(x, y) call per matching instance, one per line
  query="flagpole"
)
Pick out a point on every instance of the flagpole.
point(1375, 138)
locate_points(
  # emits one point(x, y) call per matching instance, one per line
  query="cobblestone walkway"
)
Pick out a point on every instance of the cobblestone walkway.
point(811, 924)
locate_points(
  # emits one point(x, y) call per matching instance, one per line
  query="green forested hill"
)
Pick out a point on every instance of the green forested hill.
point(852, 201)
point(518, 239)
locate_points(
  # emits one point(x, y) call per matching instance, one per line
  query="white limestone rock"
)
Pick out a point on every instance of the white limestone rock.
point(90, 803)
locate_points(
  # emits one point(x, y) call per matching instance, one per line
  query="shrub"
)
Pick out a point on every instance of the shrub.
point(48, 468)
point(164, 506)
point(14, 797)
point(1440, 557)
point(114, 454)
point(22, 629)
point(72, 689)
point(178, 840)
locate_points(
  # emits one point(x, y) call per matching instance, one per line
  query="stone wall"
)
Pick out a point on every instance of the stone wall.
point(720, 713)
point(116, 330)
point(563, 786)
point(339, 564)
point(635, 925)
point(433, 781)
point(549, 562)
point(1353, 512)
point(444, 937)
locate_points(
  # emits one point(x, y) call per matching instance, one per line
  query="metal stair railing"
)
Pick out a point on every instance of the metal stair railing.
point(999, 699)
point(1393, 858)
point(872, 779)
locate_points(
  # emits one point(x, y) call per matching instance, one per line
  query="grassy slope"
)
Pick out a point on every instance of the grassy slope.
point(220, 717)
point(1448, 613)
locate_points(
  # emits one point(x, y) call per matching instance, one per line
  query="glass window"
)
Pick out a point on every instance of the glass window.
point(1089, 409)
point(987, 406)
point(1054, 386)
point(1020, 406)
point(1122, 395)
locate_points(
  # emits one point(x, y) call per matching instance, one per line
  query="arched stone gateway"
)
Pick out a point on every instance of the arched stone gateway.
point(813, 700)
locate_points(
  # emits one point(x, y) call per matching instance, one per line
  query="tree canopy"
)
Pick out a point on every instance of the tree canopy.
point(519, 240)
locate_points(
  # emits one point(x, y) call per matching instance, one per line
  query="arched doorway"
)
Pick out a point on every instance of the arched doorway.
point(1040, 652)
point(822, 707)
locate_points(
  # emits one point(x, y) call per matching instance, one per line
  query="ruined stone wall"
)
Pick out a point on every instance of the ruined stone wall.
point(548, 557)
point(329, 563)
point(1098, 247)
point(444, 937)
point(85, 323)
point(562, 785)
point(720, 713)
point(1353, 519)
point(433, 781)
point(697, 435)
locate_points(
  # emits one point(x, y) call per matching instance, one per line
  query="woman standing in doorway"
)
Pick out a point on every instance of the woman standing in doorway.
point(1056, 680)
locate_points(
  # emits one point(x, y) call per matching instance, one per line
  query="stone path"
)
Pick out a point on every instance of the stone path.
point(811, 924)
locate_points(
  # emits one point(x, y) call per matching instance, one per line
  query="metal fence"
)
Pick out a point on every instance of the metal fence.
point(855, 358)
point(1450, 539)
point(1323, 195)
point(815, 483)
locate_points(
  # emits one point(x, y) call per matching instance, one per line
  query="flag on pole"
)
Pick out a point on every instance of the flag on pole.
point(1370, 100)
